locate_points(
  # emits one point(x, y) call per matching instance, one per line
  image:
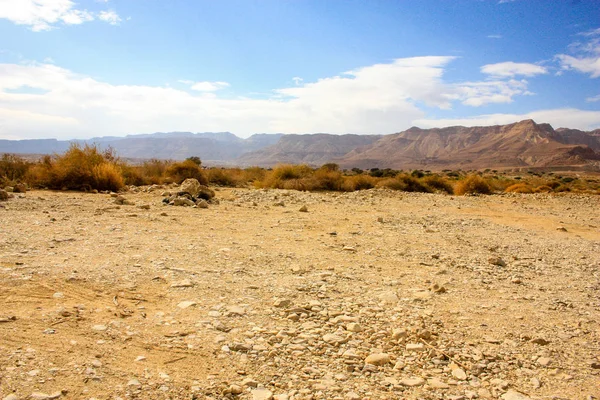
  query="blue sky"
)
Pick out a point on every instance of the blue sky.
point(78, 69)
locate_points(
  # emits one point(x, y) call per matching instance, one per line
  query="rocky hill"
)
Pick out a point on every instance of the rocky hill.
point(316, 149)
point(522, 144)
point(215, 146)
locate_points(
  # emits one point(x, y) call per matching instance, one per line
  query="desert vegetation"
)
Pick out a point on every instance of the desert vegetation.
point(88, 168)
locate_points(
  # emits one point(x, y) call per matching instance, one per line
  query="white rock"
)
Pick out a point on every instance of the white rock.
point(185, 304)
point(412, 382)
point(514, 395)
point(459, 374)
point(262, 394)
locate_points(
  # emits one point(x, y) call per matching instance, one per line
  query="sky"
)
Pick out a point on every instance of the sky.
point(87, 68)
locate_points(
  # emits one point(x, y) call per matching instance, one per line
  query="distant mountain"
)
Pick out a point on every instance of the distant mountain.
point(209, 146)
point(522, 144)
point(314, 149)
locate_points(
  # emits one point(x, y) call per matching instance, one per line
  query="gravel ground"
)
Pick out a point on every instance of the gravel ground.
point(366, 295)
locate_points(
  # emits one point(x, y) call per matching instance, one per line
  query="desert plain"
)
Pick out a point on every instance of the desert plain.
point(373, 294)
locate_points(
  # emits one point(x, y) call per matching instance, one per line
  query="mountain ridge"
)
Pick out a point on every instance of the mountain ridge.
point(520, 144)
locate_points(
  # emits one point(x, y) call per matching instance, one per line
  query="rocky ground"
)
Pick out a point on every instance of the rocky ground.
point(365, 295)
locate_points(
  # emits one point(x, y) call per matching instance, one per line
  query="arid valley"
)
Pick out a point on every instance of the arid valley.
point(373, 294)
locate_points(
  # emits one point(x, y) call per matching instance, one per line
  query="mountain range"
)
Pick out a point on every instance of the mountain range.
point(521, 144)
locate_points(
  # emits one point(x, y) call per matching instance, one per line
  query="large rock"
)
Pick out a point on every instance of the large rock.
point(3, 195)
point(20, 188)
point(194, 188)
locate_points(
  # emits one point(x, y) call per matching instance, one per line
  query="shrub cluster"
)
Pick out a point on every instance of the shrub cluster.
point(86, 168)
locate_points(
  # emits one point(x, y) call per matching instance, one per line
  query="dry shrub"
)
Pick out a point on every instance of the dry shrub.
point(358, 182)
point(107, 176)
point(472, 184)
point(255, 174)
point(132, 175)
point(12, 169)
point(231, 177)
point(327, 179)
point(153, 171)
point(519, 188)
point(406, 183)
point(286, 176)
point(79, 168)
point(391, 183)
point(180, 171)
point(543, 189)
point(437, 183)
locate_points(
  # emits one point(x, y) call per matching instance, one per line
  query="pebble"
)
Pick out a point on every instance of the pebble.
point(99, 328)
point(262, 394)
point(184, 283)
point(378, 359)
point(44, 396)
point(415, 347)
point(459, 374)
point(437, 384)
point(186, 304)
point(514, 395)
point(412, 382)
point(544, 361)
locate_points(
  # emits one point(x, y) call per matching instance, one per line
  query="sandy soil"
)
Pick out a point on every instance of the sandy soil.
point(368, 295)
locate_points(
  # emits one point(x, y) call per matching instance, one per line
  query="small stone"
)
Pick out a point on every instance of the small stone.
point(514, 395)
point(99, 328)
point(185, 304)
point(535, 383)
point(235, 311)
point(399, 334)
point(303, 209)
point(58, 295)
point(249, 382)
point(134, 383)
point(184, 283)
point(44, 396)
point(544, 361)
point(235, 389)
point(354, 327)
point(140, 358)
point(437, 288)
point(437, 384)
point(459, 374)
point(262, 394)
point(353, 396)
point(378, 359)
point(497, 261)
point(11, 396)
point(561, 229)
point(333, 338)
point(412, 382)
point(282, 303)
point(415, 347)
point(540, 341)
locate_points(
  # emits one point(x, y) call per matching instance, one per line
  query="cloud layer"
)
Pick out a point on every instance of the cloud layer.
point(44, 100)
point(43, 15)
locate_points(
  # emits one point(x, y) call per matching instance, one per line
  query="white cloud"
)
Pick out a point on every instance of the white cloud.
point(380, 98)
point(43, 15)
point(208, 86)
point(297, 80)
point(593, 99)
point(509, 69)
point(586, 55)
point(562, 117)
point(109, 16)
point(494, 36)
